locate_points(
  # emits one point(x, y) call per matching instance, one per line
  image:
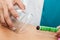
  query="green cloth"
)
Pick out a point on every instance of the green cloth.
point(51, 13)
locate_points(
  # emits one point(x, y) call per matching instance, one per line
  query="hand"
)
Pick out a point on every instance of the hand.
point(7, 8)
point(58, 33)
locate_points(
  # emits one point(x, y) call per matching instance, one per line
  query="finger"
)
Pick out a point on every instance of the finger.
point(0, 8)
point(11, 8)
point(14, 2)
point(6, 15)
point(2, 18)
point(2, 21)
point(58, 33)
point(20, 4)
point(13, 12)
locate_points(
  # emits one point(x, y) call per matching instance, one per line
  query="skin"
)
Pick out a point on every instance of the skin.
point(58, 33)
point(7, 8)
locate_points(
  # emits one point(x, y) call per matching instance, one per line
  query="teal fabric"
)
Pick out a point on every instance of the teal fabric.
point(51, 13)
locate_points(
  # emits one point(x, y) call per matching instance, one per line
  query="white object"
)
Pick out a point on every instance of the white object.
point(32, 13)
point(34, 9)
point(24, 17)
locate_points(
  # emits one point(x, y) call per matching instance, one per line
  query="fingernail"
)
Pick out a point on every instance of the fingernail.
point(18, 18)
point(13, 28)
point(23, 8)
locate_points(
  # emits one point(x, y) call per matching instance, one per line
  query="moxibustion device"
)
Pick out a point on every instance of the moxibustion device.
point(45, 28)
